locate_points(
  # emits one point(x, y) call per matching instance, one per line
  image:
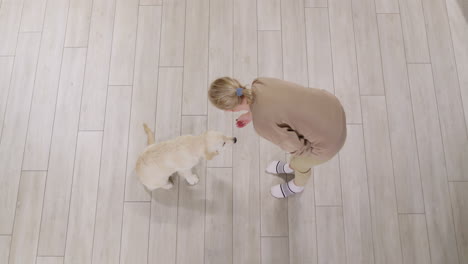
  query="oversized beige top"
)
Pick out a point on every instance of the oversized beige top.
point(302, 121)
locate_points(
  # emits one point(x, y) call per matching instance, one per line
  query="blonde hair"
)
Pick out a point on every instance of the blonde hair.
point(223, 93)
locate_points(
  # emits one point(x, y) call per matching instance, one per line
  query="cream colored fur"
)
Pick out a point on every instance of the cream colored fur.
point(160, 160)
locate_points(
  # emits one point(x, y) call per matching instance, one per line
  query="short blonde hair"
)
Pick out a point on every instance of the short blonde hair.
point(223, 93)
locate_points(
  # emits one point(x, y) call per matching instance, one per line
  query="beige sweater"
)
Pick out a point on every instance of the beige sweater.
point(302, 121)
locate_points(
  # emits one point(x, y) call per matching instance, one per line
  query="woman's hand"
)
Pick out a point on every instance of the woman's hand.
point(243, 120)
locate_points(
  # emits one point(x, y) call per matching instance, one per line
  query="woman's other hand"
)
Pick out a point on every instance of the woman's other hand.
point(244, 120)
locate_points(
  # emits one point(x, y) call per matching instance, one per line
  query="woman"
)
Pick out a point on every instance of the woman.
point(308, 123)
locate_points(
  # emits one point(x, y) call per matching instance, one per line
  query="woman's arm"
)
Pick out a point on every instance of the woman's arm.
point(244, 120)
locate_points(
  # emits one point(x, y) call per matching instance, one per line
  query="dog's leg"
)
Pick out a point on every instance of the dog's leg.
point(191, 178)
point(168, 186)
point(149, 133)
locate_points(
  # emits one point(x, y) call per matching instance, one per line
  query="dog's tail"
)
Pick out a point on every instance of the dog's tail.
point(149, 133)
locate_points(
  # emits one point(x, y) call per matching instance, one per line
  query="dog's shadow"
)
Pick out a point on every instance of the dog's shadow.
point(185, 200)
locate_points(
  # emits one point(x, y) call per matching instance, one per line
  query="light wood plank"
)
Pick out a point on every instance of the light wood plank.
point(97, 65)
point(218, 219)
point(151, 2)
point(269, 14)
point(414, 31)
point(458, 13)
point(328, 183)
point(163, 230)
point(144, 95)
point(172, 33)
point(316, 3)
point(28, 218)
point(330, 235)
point(400, 116)
point(196, 58)
point(356, 205)
point(135, 233)
point(301, 208)
point(109, 208)
point(433, 172)
point(15, 125)
point(164, 205)
point(62, 154)
point(49, 260)
point(6, 69)
point(169, 104)
point(387, 6)
point(275, 250)
point(83, 198)
point(220, 64)
point(459, 194)
point(10, 19)
point(381, 181)
point(446, 83)
point(33, 15)
point(319, 55)
point(294, 42)
point(274, 217)
point(367, 48)
point(302, 226)
point(245, 48)
point(270, 59)
point(5, 242)
point(124, 42)
point(79, 19)
point(327, 177)
point(345, 71)
point(45, 87)
point(191, 216)
point(414, 240)
point(246, 187)
point(246, 197)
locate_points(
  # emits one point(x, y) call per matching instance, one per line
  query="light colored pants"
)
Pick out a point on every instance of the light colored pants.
point(302, 166)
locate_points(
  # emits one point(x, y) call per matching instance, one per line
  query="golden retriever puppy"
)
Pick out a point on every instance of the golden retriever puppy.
point(159, 161)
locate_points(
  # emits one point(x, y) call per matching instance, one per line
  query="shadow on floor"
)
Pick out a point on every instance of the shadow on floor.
point(464, 8)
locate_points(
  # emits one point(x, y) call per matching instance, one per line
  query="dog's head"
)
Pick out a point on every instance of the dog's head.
point(215, 142)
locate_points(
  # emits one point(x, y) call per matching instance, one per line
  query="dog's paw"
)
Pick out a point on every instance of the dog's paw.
point(192, 180)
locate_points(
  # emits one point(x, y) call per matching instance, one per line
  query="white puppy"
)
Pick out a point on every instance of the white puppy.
point(159, 161)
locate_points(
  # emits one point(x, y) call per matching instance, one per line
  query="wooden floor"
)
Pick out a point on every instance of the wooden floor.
point(79, 77)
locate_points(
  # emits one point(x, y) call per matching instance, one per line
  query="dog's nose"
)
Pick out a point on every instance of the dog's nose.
point(235, 140)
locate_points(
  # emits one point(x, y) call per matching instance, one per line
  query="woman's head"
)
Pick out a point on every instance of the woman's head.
point(225, 95)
